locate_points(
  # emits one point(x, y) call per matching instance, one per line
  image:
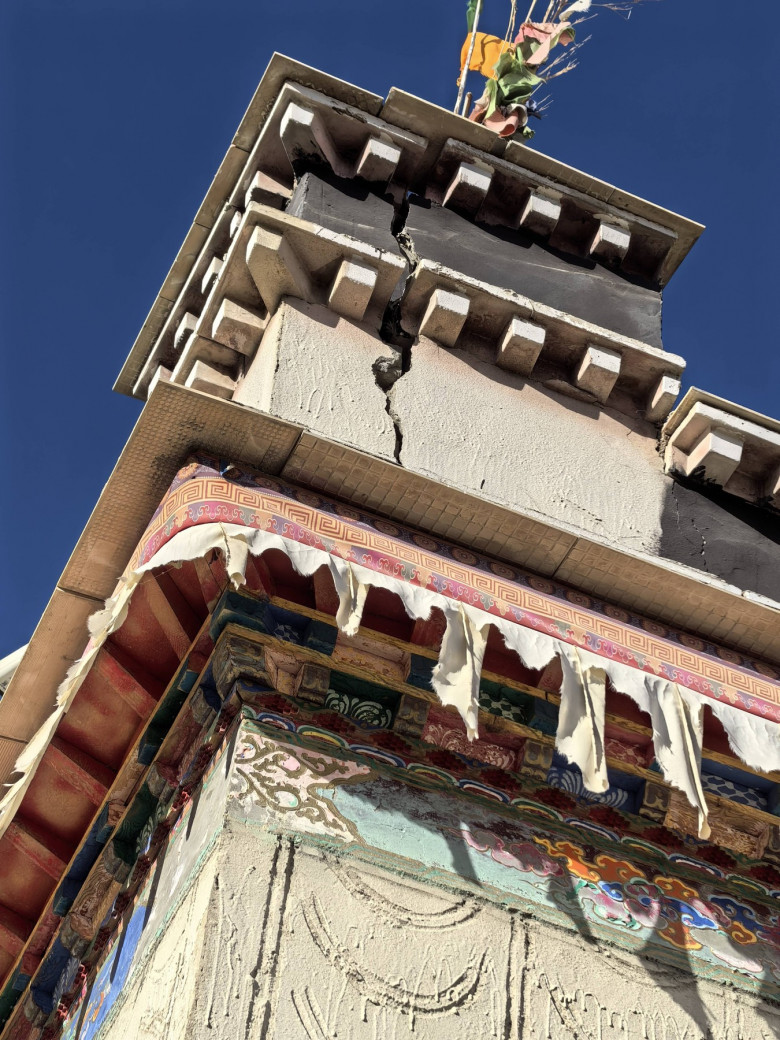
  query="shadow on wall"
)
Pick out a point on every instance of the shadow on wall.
point(665, 921)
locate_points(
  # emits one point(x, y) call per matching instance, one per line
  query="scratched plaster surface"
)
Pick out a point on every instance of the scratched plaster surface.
point(499, 435)
point(316, 369)
point(335, 905)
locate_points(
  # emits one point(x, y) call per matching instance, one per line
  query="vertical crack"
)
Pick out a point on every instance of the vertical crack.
point(700, 544)
point(389, 369)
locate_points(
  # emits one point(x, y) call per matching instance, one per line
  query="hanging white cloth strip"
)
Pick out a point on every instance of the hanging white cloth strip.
point(676, 712)
point(457, 673)
point(580, 734)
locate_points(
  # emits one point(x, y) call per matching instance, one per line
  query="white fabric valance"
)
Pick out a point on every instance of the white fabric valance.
point(676, 712)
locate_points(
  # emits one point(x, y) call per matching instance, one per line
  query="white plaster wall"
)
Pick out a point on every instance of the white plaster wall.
point(304, 944)
point(487, 431)
point(162, 987)
point(466, 423)
point(613, 995)
point(315, 368)
point(290, 933)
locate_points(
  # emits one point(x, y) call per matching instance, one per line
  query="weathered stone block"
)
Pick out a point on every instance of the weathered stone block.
point(267, 191)
point(237, 327)
point(303, 134)
point(444, 317)
point(210, 275)
point(468, 188)
point(161, 375)
point(198, 348)
point(352, 289)
point(520, 347)
point(540, 214)
point(598, 371)
point(610, 242)
point(378, 160)
point(209, 380)
point(772, 487)
point(276, 269)
point(662, 398)
point(716, 455)
point(184, 329)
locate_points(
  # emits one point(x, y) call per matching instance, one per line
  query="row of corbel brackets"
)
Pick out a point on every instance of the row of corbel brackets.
point(726, 445)
point(306, 124)
point(448, 307)
point(273, 254)
point(410, 145)
point(484, 186)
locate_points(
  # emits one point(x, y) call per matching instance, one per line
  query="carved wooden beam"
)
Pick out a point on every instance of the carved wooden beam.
point(238, 657)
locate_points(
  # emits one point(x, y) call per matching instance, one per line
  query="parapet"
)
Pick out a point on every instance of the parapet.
point(550, 273)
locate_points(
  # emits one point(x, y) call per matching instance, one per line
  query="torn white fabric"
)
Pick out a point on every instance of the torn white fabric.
point(580, 734)
point(675, 711)
point(458, 670)
point(677, 719)
point(352, 596)
point(535, 649)
point(754, 740)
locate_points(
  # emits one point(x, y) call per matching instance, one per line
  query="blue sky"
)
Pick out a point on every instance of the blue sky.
point(114, 115)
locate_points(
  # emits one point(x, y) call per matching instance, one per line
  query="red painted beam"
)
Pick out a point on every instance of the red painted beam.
point(429, 632)
point(45, 850)
point(172, 612)
point(128, 679)
point(14, 931)
point(258, 577)
point(325, 597)
point(79, 770)
point(211, 585)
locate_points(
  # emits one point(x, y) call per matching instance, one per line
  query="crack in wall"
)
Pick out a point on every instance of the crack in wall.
point(702, 551)
point(389, 369)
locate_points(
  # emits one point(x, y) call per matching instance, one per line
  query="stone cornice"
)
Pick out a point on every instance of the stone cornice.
point(726, 445)
point(414, 144)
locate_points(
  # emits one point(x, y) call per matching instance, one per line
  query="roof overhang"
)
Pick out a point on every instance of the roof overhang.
point(178, 421)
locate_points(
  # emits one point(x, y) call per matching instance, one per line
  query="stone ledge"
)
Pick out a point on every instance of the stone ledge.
point(304, 123)
point(353, 118)
point(565, 339)
point(722, 443)
point(272, 255)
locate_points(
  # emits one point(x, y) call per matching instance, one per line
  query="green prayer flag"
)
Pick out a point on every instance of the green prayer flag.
point(471, 11)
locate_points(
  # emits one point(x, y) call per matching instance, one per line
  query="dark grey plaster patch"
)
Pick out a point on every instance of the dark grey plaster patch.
point(725, 536)
point(522, 262)
point(350, 207)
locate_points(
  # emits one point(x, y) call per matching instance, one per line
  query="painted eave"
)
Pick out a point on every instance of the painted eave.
point(177, 421)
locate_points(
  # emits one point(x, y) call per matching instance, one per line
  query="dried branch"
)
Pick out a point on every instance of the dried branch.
point(562, 72)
